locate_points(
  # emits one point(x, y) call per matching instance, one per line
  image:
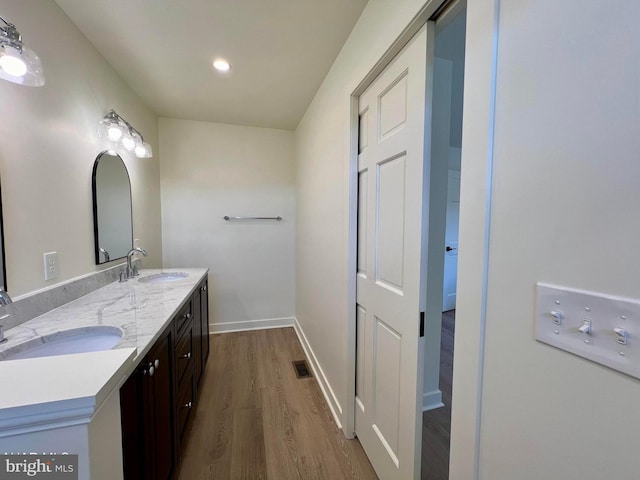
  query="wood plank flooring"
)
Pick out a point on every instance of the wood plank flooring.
point(257, 420)
point(436, 424)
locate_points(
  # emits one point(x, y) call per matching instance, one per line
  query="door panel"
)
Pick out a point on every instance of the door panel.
point(362, 223)
point(361, 352)
point(393, 107)
point(386, 386)
point(390, 219)
point(389, 292)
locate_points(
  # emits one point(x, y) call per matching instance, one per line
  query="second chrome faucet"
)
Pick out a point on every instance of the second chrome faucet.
point(132, 271)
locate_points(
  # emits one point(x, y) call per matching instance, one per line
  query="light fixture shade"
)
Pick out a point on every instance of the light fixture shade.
point(18, 64)
point(128, 142)
point(110, 129)
point(117, 130)
point(144, 151)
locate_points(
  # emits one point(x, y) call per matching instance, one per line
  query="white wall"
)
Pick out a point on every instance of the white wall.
point(209, 170)
point(322, 156)
point(48, 143)
point(565, 211)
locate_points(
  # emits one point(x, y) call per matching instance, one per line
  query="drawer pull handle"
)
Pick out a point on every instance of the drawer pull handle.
point(187, 405)
point(186, 356)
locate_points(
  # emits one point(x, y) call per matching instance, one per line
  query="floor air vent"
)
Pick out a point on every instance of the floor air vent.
point(302, 369)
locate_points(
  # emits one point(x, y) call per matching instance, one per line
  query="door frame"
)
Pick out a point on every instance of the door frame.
point(477, 148)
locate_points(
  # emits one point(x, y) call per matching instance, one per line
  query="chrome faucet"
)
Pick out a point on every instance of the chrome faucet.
point(5, 299)
point(132, 271)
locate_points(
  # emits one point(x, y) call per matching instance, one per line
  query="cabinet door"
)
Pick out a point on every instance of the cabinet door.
point(132, 421)
point(197, 337)
point(160, 457)
point(204, 318)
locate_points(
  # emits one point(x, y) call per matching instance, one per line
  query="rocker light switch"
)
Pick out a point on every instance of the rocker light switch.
point(621, 335)
point(601, 328)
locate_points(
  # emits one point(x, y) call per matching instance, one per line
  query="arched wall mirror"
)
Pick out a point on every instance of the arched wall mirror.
point(112, 217)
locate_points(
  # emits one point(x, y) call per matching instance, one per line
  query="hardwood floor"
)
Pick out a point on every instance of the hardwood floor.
point(436, 424)
point(257, 420)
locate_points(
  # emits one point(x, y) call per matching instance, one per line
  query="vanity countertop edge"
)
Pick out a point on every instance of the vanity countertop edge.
point(49, 392)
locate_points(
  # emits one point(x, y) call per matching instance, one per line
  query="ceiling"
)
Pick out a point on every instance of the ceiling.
point(280, 51)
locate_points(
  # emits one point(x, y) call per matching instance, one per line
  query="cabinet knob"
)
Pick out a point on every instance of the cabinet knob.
point(151, 370)
point(204, 288)
point(187, 356)
point(156, 363)
point(187, 405)
point(187, 316)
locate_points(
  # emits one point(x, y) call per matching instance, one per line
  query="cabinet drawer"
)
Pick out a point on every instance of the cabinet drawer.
point(184, 354)
point(182, 318)
point(184, 406)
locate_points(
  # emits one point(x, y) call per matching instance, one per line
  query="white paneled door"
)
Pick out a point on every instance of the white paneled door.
point(390, 280)
point(451, 242)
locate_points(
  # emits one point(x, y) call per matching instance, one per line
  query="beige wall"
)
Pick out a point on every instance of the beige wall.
point(564, 201)
point(210, 170)
point(564, 211)
point(48, 143)
point(322, 156)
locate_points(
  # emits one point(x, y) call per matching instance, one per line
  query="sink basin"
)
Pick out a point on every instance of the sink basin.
point(165, 277)
point(76, 340)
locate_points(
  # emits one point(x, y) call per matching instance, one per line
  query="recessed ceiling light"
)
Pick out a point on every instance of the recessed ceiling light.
point(221, 65)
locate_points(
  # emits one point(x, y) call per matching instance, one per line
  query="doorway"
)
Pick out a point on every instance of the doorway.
point(446, 140)
point(401, 199)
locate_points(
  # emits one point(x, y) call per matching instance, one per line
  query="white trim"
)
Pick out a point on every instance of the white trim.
point(247, 325)
point(46, 421)
point(325, 386)
point(480, 78)
point(432, 400)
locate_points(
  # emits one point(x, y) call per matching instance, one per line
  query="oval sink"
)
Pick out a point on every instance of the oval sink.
point(164, 277)
point(75, 340)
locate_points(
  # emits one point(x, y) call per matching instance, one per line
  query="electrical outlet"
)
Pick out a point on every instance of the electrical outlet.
point(50, 265)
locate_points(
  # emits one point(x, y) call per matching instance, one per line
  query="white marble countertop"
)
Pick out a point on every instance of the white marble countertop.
point(49, 384)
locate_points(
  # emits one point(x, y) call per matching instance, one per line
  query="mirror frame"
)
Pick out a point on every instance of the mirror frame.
point(2, 248)
point(95, 204)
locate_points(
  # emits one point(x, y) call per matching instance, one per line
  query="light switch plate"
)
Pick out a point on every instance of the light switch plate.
point(561, 312)
point(50, 265)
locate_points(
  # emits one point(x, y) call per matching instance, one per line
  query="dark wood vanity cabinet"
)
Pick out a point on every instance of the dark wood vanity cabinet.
point(201, 331)
point(158, 398)
point(146, 409)
point(204, 318)
point(184, 361)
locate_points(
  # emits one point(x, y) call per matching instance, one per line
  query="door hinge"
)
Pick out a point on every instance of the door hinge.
point(422, 324)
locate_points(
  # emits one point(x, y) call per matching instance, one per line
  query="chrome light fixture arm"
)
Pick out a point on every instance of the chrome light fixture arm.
point(18, 64)
point(10, 35)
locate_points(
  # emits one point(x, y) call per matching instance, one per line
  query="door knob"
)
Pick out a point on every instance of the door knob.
point(449, 248)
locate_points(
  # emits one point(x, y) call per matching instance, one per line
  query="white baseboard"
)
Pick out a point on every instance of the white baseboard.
point(262, 324)
point(432, 400)
point(325, 386)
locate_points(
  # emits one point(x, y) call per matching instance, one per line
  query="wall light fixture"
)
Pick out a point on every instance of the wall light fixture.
point(18, 64)
point(120, 132)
